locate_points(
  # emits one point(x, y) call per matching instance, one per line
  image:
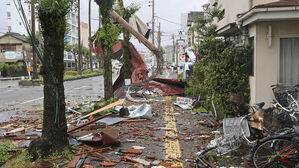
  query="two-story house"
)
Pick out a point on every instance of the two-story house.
point(272, 28)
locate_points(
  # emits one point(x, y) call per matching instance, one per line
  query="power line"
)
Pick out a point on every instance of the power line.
point(170, 21)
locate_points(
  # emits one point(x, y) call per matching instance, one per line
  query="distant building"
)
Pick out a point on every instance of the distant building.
point(193, 36)
point(184, 20)
point(10, 18)
point(169, 53)
point(72, 38)
point(84, 34)
point(15, 48)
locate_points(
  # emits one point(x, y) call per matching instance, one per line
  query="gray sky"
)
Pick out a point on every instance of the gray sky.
point(170, 10)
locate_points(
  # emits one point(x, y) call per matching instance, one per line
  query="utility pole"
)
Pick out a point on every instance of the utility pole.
point(89, 32)
point(153, 25)
point(35, 75)
point(173, 41)
point(153, 22)
point(79, 41)
point(159, 36)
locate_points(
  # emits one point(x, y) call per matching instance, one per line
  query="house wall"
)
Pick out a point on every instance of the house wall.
point(266, 58)
point(232, 9)
point(259, 2)
point(20, 45)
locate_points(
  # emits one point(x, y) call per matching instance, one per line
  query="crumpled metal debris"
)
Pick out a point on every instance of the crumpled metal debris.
point(143, 111)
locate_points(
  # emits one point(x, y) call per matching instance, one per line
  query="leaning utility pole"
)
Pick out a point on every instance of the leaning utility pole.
point(142, 39)
point(79, 41)
point(89, 32)
point(35, 75)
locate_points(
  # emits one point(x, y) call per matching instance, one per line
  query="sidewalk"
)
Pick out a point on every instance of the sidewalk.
point(12, 78)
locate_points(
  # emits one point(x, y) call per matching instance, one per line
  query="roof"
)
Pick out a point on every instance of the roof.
point(16, 35)
point(281, 3)
point(206, 5)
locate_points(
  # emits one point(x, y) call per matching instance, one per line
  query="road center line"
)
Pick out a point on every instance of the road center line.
point(80, 87)
point(32, 100)
point(172, 146)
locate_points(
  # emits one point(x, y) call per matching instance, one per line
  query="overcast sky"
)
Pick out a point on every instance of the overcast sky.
point(170, 10)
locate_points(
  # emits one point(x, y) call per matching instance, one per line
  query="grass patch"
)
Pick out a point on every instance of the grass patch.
point(65, 153)
point(22, 160)
point(200, 109)
point(4, 146)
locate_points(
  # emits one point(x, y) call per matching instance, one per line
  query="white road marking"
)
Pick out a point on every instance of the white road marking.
point(80, 87)
point(32, 100)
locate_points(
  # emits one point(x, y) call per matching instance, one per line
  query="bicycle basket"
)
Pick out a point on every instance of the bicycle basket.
point(281, 95)
point(232, 127)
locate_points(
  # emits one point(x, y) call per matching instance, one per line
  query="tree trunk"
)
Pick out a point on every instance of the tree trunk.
point(107, 73)
point(89, 32)
point(127, 55)
point(54, 133)
point(76, 62)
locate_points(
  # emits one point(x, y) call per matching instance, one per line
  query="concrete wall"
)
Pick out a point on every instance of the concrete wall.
point(232, 9)
point(266, 58)
point(259, 2)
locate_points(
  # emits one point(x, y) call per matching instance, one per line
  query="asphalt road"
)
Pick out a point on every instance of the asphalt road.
point(14, 99)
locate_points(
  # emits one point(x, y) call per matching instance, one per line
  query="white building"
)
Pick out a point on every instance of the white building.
point(10, 19)
point(71, 37)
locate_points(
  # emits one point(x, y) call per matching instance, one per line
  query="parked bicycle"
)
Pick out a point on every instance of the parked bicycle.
point(285, 109)
point(277, 151)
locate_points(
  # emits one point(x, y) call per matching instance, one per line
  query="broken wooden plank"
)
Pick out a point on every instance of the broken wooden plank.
point(74, 162)
point(79, 154)
point(133, 151)
point(19, 137)
point(138, 160)
point(119, 102)
point(138, 120)
point(87, 123)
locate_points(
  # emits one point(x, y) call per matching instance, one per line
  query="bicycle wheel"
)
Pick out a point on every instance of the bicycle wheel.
point(275, 152)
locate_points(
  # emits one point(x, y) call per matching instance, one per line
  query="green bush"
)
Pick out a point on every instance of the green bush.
point(223, 67)
point(88, 71)
point(4, 69)
point(98, 70)
point(71, 73)
point(180, 76)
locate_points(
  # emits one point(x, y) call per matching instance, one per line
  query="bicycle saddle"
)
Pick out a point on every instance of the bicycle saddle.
point(296, 128)
point(260, 105)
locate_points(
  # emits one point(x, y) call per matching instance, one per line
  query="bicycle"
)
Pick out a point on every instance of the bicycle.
point(277, 151)
point(284, 110)
point(231, 142)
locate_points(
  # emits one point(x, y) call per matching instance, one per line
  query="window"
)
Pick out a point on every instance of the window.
point(9, 28)
point(251, 43)
point(7, 47)
point(8, 15)
point(289, 61)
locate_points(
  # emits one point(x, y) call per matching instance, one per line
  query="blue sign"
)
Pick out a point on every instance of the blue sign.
point(13, 55)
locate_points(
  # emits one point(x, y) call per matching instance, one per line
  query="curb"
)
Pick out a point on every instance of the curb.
point(13, 78)
point(31, 83)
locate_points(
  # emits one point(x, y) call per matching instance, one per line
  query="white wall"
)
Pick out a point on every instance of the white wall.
point(266, 59)
point(232, 9)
